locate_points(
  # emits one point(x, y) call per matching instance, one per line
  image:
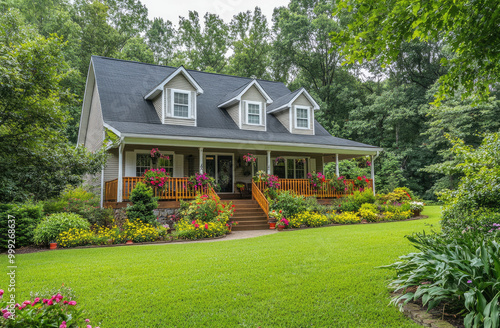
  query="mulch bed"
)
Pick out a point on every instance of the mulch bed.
point(447, 312)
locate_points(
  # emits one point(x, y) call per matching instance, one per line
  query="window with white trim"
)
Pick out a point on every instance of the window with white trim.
point(145, 162)
point(181, 104)
point(253, 113)
point(302, 117)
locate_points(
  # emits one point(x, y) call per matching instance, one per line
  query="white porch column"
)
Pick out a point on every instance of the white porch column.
point(102, 187)
point(268, 162)
point(119, 195)
point(372, 173)
point(201, 160)
point(337, 165)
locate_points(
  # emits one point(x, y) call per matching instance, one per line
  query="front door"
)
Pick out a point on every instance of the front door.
point(221, 168)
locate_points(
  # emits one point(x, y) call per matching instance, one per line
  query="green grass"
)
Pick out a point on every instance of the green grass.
point(324, 277)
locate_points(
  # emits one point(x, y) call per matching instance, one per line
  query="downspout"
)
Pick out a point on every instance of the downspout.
point(119, 195)
point(373, 171)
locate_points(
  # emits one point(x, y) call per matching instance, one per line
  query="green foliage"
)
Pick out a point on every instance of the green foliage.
point(369, 212)
point(136, 49)
point(475, 202)
point(289, 203)
point(50, 227)
point(456, 270)
point(143, 204)
point(138, 231)
point(310, 219)
point(349, 169)
point(346, 217)
point(377, 32)
point(25, 217)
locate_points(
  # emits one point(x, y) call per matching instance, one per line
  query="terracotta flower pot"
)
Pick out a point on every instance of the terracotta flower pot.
point(281, 227)
point(416, 212)
point(129, 242)
point(53, 245)
point(272, 225)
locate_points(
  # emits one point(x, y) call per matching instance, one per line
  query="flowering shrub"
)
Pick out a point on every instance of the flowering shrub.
point(397, 215)
point(289, 203)
point(317, 180)
point(346, 217)
point(310, 219)
point(49, 229)
point(271, 183)
point(201, 182)
point(339, 184)
point(138, 232)
point(156, 178)
point(82, 237)
point(399, 195)
point(55, 311)
point(369, 212)
point(416, 206)
point(249, 159)
point(361, 182)
point(207, 208)
point(198, 229)
point(283, 222)
point(275, 214)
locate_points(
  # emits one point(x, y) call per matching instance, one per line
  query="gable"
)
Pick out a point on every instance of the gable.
point(302, 101)
point(180, 82)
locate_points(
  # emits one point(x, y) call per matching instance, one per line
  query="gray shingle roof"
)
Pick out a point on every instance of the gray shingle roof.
point(282, 100)
point(233, 94)
point(122, 86)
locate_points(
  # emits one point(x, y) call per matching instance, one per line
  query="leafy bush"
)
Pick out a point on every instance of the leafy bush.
point(453, 270)
point(27, 216)
point(397, 215)
point(138, 231)
point(198, 229)
point(143, 204)
point(52, 206)
point(310, 219)
point(399, 195)
point(369, 213)
point(289, 203)
point(207, 208)
point(349, 205)
point(346, 217)
point(50, 227)
point(56, 311)
point(311, 205)
point(82, 237)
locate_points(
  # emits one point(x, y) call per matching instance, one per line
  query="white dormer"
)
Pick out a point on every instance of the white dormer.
point(247, 106)
point(296, 111)
point(174, 99)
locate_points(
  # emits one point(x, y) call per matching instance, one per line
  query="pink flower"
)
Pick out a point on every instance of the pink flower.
point(72, 303)
point(1, 293)
point(50, 302)
point(65, 302)
point(7, 314)
point(87, 320)
point(89, 326)
point(196, 225)
point(194, 222)
point(206, 226)
point(63, 325)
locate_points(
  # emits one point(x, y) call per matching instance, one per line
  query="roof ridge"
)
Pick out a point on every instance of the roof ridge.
point(187, 69)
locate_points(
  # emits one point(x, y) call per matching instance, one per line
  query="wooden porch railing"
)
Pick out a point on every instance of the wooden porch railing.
point(260, 198)
point(303, 187)
point(176, 189)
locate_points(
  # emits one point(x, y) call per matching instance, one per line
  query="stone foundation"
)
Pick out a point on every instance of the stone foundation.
point(164, 215)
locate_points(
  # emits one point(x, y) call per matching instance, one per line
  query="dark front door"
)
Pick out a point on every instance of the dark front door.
point(225, 173)
point(221, 168)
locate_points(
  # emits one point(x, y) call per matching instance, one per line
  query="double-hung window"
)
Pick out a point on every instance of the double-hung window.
point(302, 117)
point(145, 162)
point(254, 113)
point(181, 104)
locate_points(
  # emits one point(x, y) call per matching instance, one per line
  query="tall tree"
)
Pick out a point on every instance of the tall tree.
point(136, 49)
point(128, 17)
point(251, 45)
point(469, 28)
point(161, 40)
point(35, 158)
point(204, 48)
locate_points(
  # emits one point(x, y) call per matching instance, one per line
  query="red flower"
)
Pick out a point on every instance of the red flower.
point(359, 178)
point(206, 226)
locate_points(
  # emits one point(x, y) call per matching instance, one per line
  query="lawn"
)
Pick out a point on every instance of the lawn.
point(323, 277)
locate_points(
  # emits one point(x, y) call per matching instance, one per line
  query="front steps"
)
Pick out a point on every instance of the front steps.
point(248, 214)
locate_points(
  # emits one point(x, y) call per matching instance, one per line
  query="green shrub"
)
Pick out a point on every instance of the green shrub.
point(369, 212)
point(52, 206)
point(27, 217)
point(349, 205)
point(310, 219)
point(50, 227)
point(462, 271)
point(138, 231)
point(143, 204)
point(289, 202)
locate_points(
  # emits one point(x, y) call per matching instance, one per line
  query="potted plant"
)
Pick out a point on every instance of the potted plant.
point(53, 245)
point(273, 218)
point(230, 225)
point(416, 208)
point(156, 178)
point(282, 224)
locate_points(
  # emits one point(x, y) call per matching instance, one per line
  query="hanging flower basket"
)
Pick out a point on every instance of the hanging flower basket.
point(156, 178)
point(278, 160)
point(249, 159)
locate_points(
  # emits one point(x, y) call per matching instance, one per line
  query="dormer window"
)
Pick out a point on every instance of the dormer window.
point(254, 113)
point(302, 117)
point(181, 103)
